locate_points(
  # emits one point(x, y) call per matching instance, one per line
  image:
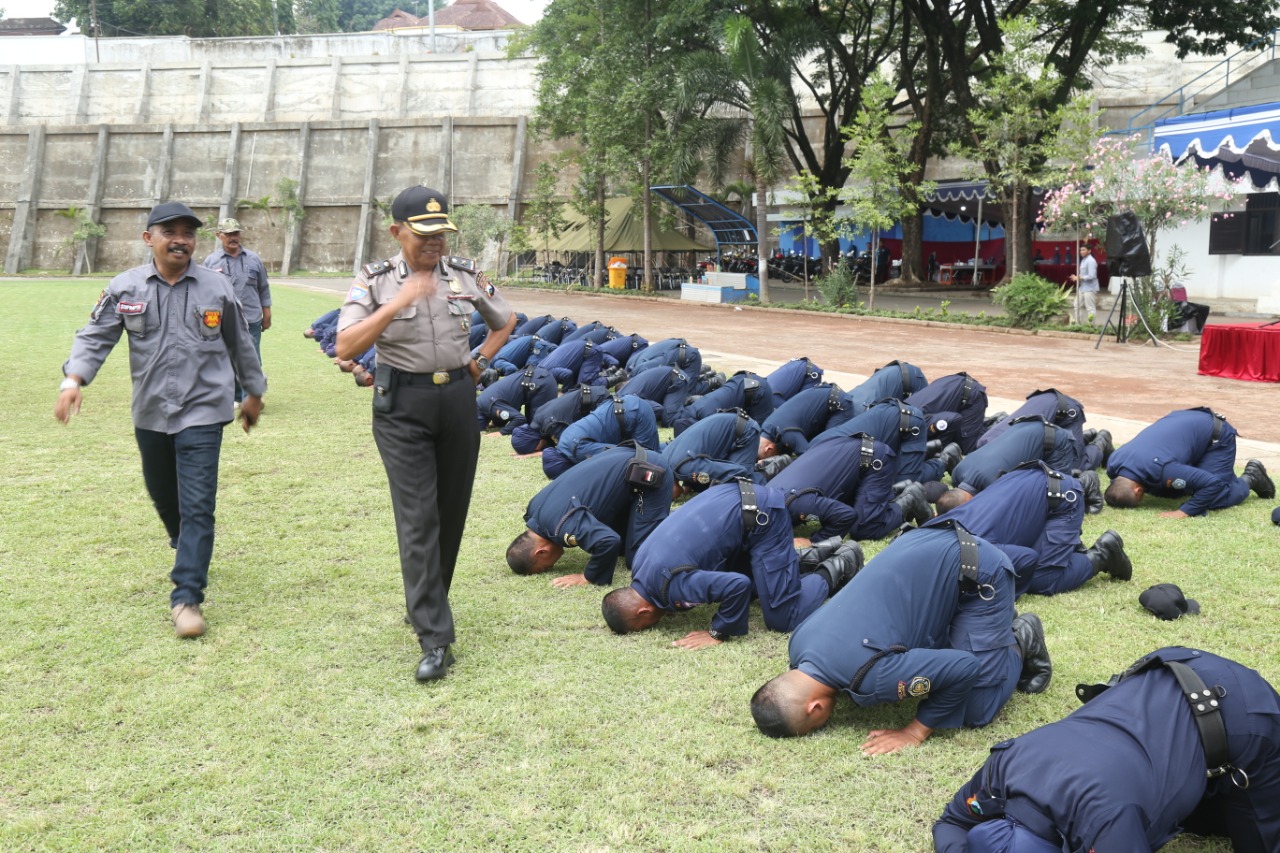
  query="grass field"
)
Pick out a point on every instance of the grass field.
point(296, 723)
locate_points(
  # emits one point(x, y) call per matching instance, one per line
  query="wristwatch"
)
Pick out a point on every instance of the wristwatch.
point(718, 635)
point(68, 384)
point(482, 361)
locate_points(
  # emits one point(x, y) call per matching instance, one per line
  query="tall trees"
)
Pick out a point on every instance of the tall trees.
point(195, 18)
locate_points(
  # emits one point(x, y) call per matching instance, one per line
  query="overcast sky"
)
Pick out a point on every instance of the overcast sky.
point(527, 11)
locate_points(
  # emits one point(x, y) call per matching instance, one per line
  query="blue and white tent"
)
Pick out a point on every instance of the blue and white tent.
point(1240, 140)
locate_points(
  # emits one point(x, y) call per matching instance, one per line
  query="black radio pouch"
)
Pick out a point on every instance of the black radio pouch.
point(384, 388)
point(642, 474)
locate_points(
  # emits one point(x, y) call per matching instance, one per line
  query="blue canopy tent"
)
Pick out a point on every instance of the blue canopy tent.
point(1241, 140)
point(729, 227)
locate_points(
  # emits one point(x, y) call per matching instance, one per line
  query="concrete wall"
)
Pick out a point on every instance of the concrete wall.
point(118, 172)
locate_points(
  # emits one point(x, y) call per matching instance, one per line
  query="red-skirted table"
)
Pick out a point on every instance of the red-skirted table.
point(1241, 351)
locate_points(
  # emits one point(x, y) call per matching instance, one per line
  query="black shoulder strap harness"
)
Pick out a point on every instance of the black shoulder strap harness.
point(752, 515)
point(904, 417)
point(906, 377)
point(1218, 420)
point(619, 413)
point(867, 452)
point(1206, 710)
point(835, 400)
point(1053, 488)
point(1050, 432)
point(967, 391)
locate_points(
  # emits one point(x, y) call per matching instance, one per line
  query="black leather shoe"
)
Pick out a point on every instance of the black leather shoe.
point(950, 455)
point(1093, 502)
point(813, 556)
point(770, 467)
point(1103, 442)
point(1088, 436)
point(914, 505)
point(435, 664)
point(840, 567)
point(1255, 474)
point(1037, 669)
point(1107, 555)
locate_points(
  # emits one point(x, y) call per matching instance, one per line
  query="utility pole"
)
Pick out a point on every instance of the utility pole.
point(97, 30)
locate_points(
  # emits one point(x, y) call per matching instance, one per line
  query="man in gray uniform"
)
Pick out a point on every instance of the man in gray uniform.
point(188, 345)
point(417, 307)
point(249, 277)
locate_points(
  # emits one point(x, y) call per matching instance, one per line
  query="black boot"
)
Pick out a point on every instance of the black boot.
point(950, 455)
point(932, 448)
point(1037, 668)
point(1088, 436)
point(914, 505)
point(840, 567)
point(812, 557)
point(1107, 555)
point(1093, 502)
point(1255, 474)
point(773, 464)
point(715, 380)
point(1103, 442)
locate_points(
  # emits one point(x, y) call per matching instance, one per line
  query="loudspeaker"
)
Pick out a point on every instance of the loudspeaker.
point(1127, 252)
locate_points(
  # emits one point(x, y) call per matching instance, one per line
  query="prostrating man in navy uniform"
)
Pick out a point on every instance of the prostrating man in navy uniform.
point(1034, 514)
point(847, 483)
point(728, 545)
point(514, 354)
point(1185, 741)
point(549, 421)
point(513, 399)
point(931, 618)
point(622, 348)
point(743, 390)
point(576, 363)
point(1028, 440)
point(897, 379)
point(189, 346)
point(595, 508)
point(667, 386)
point(557, 330)
point(903, 427)
point(791, 378)
point(676, 352)
point(961, 400)
point(595, 331)
point(1061, 411)
point(615, 420)
point(531, 325)
point(716, 449)
point(1189, 453)
point(417, 306)
point(791, 426)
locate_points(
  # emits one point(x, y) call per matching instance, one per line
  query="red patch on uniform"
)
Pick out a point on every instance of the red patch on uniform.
point(131, 308)
point(212, 319)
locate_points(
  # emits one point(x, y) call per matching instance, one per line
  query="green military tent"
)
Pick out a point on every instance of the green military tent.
point(623, 232)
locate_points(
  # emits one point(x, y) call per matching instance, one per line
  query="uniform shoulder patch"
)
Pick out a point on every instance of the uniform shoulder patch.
point(919, 687)
point(377, 267)
point(357, 292)
point(458, 263)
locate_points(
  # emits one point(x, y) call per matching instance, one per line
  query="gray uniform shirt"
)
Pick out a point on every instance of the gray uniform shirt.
point(432, 334)
point(1088, 280)
point(187, 342)
point(249, 277)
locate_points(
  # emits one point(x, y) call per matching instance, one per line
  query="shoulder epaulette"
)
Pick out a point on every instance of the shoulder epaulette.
point(377, 268)
point(465, 264)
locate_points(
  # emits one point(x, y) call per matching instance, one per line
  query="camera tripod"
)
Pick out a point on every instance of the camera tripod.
point(1122, 329)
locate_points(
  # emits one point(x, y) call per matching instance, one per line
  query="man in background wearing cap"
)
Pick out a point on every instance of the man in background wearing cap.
point(1191, 454)
point(1183, 740)
point(417, 308)
point(188, 345)
point(249, 277)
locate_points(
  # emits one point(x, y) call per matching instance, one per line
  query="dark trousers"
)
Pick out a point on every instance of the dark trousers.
point(429, 444)
point(181, 474)
point(255, 332)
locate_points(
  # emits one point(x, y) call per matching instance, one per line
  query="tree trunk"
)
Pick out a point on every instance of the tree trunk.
point(874, 249)
point(913, 268)
point(598, 277)
point(762, 247)
point(1017, 235)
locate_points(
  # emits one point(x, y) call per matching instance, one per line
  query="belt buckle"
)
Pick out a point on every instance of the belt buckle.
point(440, 377)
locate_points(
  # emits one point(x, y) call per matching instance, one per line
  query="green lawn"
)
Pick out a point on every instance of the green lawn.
point(296, 723)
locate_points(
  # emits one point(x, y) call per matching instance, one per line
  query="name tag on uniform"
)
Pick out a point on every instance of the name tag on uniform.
point(130, 309)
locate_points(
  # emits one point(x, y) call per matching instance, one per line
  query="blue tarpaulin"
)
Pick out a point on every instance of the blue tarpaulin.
point(1244, 139)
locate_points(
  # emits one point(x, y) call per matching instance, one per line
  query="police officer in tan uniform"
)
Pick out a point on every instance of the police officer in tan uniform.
point(417, 307)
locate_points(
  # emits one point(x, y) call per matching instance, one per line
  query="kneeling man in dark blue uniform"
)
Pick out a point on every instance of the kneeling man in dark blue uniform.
point(1183, 740)
point(595, 507)
point(730, 544)
point(931, 618)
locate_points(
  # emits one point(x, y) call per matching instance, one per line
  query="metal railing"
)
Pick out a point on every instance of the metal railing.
point(1217, 78)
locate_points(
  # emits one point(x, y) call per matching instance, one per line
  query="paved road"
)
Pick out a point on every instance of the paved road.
point(1123, 386)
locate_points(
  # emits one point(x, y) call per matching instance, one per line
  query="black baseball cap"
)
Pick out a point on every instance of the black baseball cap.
point(424, 210)
point(171, 210)
point(1167, 601)
point(1275, 515)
